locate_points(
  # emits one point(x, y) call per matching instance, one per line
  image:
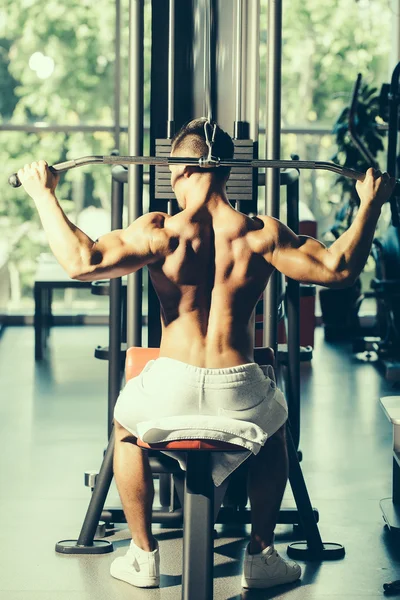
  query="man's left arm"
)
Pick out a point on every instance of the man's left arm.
point(115, 254)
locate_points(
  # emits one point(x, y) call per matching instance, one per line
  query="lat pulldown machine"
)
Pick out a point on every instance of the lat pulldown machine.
point(216, 21)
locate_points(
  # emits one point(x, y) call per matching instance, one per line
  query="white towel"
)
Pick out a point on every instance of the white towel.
point(171, 400)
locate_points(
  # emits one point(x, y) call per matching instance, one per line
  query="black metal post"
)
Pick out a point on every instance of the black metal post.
point(396, 482)
point(160, 99)
point(253, 90)
point(99, 497)
point(302, 499)
point(38, 321)
point(117, 76)
point(241, 129)
point(198, 526)
point(213, 56)
point(209, 109)
point(239, 60)
point(172, 203)
point(394, 102)
point(171, 70)
point(293, 320)
point(357, 141)
point(86, 544)
point(135, 172)
point(272, 183)
point(115, 320)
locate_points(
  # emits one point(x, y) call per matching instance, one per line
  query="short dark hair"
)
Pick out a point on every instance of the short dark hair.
point(192, 137)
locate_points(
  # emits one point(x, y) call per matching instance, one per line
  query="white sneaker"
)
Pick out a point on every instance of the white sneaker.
point(138, 567)
point(266, 569)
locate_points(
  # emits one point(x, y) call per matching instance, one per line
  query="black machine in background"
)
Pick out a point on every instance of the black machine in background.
point(339, 306)
point(384, 336)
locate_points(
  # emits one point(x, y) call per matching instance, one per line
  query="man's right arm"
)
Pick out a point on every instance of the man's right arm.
point(307, 260)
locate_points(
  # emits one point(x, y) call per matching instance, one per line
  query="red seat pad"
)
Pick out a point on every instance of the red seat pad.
point(185, 445)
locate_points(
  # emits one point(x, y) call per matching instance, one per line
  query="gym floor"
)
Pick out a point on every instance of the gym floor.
point(53, 428)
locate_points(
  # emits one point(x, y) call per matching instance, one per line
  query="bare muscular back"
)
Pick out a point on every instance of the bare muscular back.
point(208, 286)
point(209, 264)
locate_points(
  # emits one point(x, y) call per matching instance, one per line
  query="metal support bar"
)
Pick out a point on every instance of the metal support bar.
point(362, 148)
point(115, 320)
point(394, 102)
point(302, 499)
point(172, 204)
point(239, 43)
point(396, 482)
point(98, 498)
point(273, 149)
point(135, 173)
point(171, 70)
point(241, 127)
point(198, 543)
point(253, 104)
point(208, 108)
point(159, 104)
point(38, 321)
point(293, 319)
point(117, 75)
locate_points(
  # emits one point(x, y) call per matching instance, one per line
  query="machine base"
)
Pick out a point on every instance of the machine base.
point(71, 547)
point(391, 514)
point(330, 551)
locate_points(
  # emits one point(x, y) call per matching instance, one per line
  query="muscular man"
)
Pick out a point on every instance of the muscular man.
point(209, 264)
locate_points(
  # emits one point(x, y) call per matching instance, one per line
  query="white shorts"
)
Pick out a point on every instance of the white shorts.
point(172, 400)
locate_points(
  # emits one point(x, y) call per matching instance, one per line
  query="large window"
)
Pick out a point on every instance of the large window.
point(64, 94)
point(325, 46)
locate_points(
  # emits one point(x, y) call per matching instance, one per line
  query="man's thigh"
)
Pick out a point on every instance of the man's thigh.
point(122, 434)
point(274, 446)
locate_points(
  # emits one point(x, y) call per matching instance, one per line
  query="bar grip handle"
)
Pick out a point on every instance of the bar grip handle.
point(14, 181)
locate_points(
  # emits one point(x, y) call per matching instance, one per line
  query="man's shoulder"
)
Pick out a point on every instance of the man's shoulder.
point(265, 226)
point(264, 234)
point(267, 221)
point(155, 219)
point(148, 226)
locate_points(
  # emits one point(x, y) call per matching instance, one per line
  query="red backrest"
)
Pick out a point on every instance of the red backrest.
point(137, 359)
